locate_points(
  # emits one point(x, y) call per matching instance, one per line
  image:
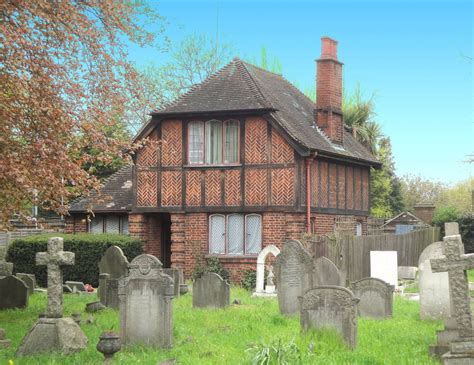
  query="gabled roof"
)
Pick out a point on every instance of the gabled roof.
point(403, 214)
point(240, 86)
point(116, 195)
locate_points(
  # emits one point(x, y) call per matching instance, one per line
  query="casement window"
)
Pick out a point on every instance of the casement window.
point(235, 234)
point(213, 142)
point(109, 224)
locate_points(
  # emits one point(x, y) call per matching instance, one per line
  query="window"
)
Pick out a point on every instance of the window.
point(213, 142)
point(235, 234)
point(358, 229)
point(109, 224)
point(196, 143)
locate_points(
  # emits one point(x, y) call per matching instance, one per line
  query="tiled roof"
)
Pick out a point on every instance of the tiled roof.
point(240, 86)
point(116, 195)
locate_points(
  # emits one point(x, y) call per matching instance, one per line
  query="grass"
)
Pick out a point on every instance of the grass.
point(223, 336)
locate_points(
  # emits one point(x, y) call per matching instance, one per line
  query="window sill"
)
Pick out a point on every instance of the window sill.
point(214, 166)
point(230, 257)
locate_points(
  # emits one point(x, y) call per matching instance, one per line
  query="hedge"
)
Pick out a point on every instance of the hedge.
point(89, 249)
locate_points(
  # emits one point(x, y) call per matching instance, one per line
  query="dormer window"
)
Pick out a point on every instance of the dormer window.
point(213, 142)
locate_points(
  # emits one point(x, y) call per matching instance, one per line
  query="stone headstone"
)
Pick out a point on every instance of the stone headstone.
point(433, 287)
point(52, 332)
point(13, 293)
point(29, 279)
point(262, 256)
point(407, 272)
point(294, 271)
point(451, 228)
point(6, 268)
point(326, 273)
point(376, 297)
point(4, 343)
point(146, 312)
point(76, 286)
point(331, 307)
point(178, 279)
point(456, 263)
point(112, 267)
point(384, 266)
point(211, 291)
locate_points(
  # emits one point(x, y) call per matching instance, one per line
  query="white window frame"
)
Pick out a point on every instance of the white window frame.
point(104, 217)
point(226, 240)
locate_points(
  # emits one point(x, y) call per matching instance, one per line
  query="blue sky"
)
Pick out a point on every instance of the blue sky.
point(413, 55)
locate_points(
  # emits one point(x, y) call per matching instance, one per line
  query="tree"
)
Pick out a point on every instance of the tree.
point(192, 61)
point(65, 77)
point(416, 189)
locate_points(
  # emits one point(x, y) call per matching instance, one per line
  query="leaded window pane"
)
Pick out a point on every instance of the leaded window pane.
point(253, 233)
point(112, 224)
point(124, 224)
point(217, 234)
point(196, 143)
point(214, 142)
point(231, 141)
point(97, 225)
point(235, 234)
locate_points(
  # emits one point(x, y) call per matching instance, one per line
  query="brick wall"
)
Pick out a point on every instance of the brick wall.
point(76, 224)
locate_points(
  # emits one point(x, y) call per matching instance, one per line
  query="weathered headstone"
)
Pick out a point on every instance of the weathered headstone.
point(326, 273)
point(178, 279)
point(376, 297)
point(4, 343)
point(407, 272)
point(146, 312)
point(52, 332)
point(294, 271)
point(76, 286)
point(456, 263)
point(6, 268)
point(384, 266)
point(262, 256)
point(13, 293)
point(115, 264)
point(331, 307)
point(30, 281)
point(211, 291)
point(433, 287)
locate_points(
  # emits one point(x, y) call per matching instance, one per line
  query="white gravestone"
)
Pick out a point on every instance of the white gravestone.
point(384, 266)
point(271, 249)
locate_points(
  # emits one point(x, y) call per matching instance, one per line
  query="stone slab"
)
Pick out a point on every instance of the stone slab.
point(326, 273)
point(30, 281)
point(384, 266)
point(6, 268)
point(53, 334)
point(76, 286)
point(407, 272)
point(178, 278)
point(211, 291)
point(14, 293)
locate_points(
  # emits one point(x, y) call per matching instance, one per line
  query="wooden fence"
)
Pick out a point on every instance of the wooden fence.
point(352, 253)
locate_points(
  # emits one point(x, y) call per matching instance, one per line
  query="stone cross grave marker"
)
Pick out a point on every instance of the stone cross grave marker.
point(53, 332)
point(146, 312)
point(456, 263)
point(55, 259)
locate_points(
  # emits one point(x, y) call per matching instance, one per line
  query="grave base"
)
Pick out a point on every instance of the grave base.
point(462, 352)
point(264, 295)
point(53, 334)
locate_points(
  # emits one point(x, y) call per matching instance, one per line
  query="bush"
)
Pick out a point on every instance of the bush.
point(210, 264)
point(89, 249)
point(445, 214)
point(277, 353)
point(249, 280)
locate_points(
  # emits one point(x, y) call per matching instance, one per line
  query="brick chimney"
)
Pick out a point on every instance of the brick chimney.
point(328, 112)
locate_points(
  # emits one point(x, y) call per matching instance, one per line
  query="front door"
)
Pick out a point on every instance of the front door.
point(166, 240)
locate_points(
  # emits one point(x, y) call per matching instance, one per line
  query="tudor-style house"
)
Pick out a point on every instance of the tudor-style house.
point(239, 162)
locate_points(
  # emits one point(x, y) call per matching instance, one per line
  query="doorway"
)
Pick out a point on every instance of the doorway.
point(166, 240)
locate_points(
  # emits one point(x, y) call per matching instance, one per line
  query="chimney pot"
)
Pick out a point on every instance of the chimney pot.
point(328, 48)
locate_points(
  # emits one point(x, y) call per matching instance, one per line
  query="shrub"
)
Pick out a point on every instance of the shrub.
point(209, 264)
point(277, 353)
point(249, 280)
point(445, 214)
point(89, 249)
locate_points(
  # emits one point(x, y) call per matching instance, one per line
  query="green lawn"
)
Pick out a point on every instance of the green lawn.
point(223, 336)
